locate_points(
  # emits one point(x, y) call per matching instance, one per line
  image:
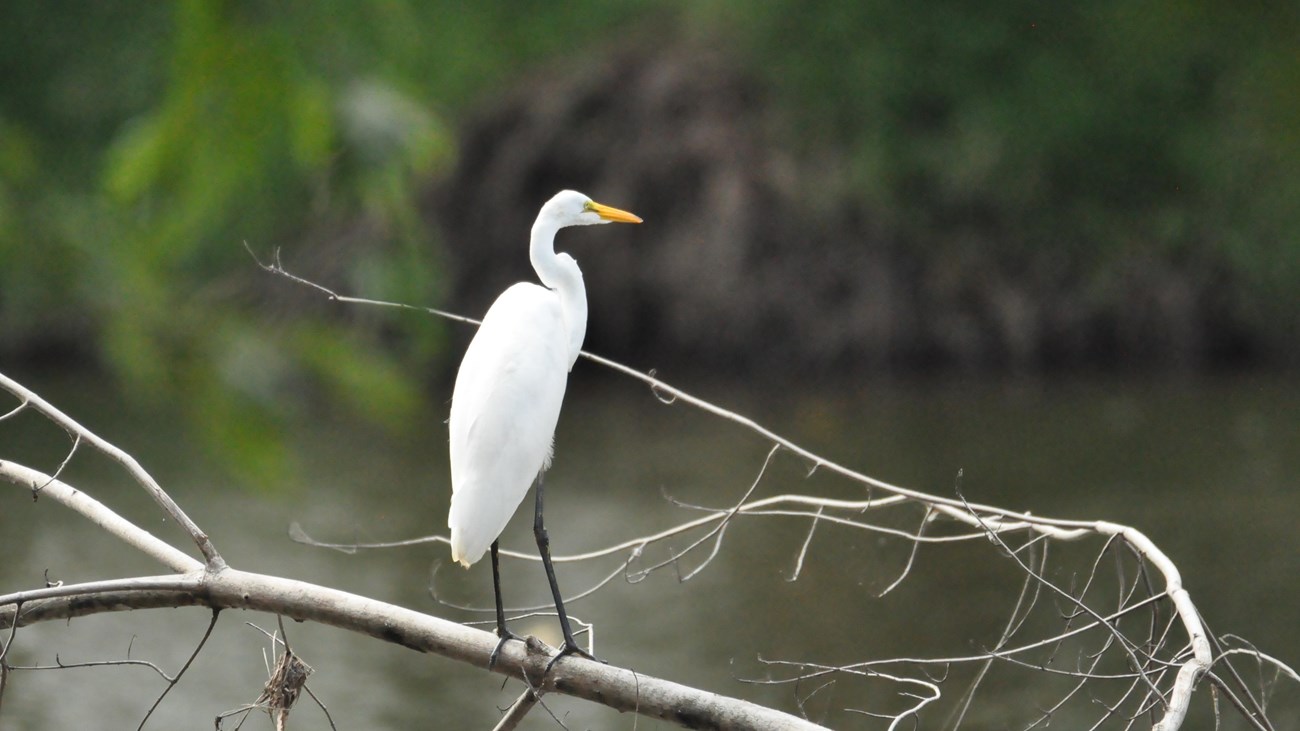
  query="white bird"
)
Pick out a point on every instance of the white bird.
point(507, 398)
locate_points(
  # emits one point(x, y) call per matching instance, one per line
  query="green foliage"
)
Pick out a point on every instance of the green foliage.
point(244, 136)
point(141, 144)
point(1076, 132)
point(360, 376)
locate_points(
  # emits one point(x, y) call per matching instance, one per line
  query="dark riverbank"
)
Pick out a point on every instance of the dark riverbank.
point(757, 255)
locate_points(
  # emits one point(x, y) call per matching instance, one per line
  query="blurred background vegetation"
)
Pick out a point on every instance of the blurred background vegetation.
point(141, 144)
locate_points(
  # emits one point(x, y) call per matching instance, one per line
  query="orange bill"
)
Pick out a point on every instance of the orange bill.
point(613, 214)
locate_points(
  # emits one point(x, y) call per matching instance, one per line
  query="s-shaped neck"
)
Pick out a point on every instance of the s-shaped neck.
point(560, 273)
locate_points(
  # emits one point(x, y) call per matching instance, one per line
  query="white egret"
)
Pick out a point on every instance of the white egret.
point(507, 399)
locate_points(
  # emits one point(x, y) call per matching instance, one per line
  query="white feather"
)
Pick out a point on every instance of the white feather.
point(503, 414)
point(511, 382)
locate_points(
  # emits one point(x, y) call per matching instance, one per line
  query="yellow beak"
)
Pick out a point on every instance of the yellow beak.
point(613, 214)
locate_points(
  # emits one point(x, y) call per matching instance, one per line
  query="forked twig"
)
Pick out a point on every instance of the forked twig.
point(213, 559)
point(171, 683)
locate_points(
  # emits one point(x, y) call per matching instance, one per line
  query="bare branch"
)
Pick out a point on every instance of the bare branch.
point(520, 708)
point(1126, 623)
point(757, 507)
point(911, 557)
point(803, 550)
point(615, 687)
point(214, 560)
point(299, 535)
point(22, 405)
point(277, 268)
point(99, 514)
point(621, 570)
point(76, 442)
point(1123, 641)
point(1253, 715)
point(669, 394)
point(618, 688)
point(161, 586)
point(59, 664)
point(171, 682)
point(716, 533)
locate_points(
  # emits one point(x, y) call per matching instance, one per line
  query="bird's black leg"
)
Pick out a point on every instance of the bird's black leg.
point(544, 547)
point(502, 632)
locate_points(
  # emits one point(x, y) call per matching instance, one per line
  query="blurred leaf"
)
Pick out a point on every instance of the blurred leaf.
point(242, 435)
point(313, 125)
point(359, 374)
point(141, 143)
point(135, 161)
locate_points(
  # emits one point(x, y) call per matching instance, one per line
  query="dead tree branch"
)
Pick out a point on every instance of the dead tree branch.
point(32, 401)
point(617, 688)
point(984, 521)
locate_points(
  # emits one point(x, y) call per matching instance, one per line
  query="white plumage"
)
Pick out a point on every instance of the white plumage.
point(503, 415)
point(511, 382)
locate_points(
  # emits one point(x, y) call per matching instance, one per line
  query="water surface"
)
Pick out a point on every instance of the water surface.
point(1206, 467)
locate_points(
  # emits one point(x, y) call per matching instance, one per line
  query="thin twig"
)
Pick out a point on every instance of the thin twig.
point(803, 549)
point(22, 404)
point(619, 571)
point(213, 559)
point(60, 665)
point(911, 557)
point(171, 683)
point(76, 442)
point(520, 708)
point(716, 533)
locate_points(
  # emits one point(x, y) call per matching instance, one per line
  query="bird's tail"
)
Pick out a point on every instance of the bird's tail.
point(457, 557)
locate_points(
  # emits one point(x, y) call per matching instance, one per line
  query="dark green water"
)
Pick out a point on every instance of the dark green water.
point(1209, 468)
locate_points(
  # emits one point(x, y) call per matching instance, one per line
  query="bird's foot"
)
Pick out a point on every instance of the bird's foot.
point(505, 635)
point(570, 648)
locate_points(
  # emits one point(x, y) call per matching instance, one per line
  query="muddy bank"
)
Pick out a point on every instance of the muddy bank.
point(755, 256)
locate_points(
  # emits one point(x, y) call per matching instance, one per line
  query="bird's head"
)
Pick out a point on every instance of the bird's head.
point(571, 208)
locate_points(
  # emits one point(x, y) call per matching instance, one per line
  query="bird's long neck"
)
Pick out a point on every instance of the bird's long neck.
point(560, 273)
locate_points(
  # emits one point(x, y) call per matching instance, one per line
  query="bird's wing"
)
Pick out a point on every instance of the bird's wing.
point(503, 414)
